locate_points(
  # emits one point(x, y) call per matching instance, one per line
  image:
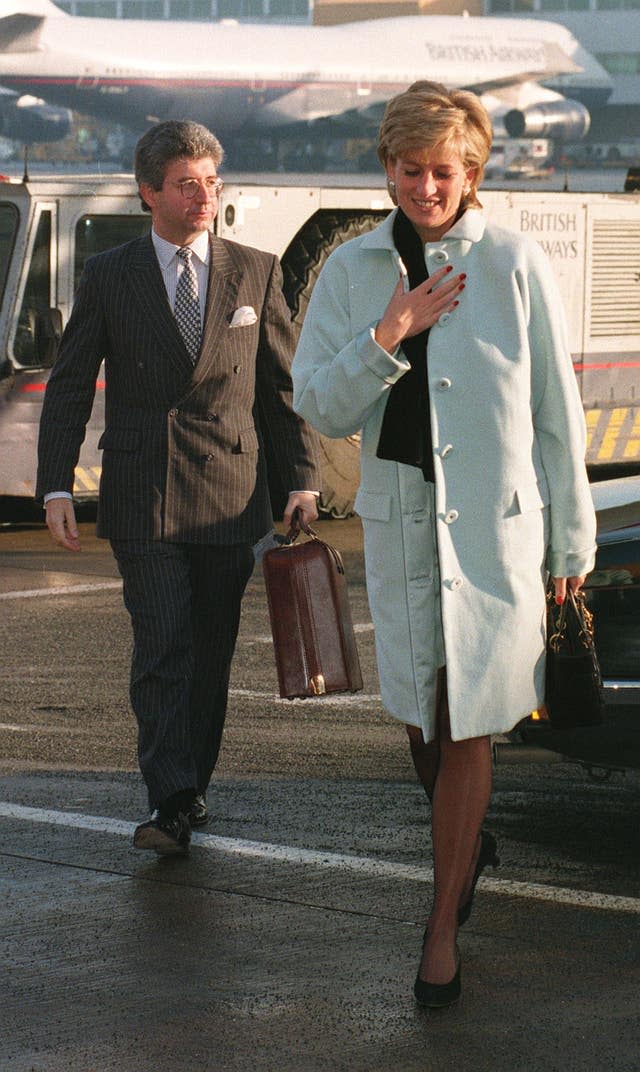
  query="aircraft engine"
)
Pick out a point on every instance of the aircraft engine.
point(29, 119)
point(562, 120)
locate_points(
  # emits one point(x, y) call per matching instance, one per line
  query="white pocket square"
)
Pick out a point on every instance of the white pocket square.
point(243, 317)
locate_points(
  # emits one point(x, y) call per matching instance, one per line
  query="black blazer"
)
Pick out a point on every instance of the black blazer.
point(185, 448)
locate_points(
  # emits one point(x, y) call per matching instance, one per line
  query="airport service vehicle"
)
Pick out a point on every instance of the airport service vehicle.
point(49, 226)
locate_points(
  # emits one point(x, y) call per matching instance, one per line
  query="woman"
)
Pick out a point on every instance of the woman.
point(441, 336)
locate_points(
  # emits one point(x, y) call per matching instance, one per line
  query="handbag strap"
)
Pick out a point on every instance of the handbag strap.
point(577, 602)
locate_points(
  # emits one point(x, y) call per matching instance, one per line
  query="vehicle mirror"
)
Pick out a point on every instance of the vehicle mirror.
point(48, 335)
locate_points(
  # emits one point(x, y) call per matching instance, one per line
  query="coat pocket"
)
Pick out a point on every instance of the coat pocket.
point(373, 505)
point(247, 442)
point(530, 497)
point(526, 528)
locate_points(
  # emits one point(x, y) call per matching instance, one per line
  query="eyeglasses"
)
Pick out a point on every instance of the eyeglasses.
point(189, 187)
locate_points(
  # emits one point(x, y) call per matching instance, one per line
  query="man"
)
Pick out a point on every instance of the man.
point(197, 342)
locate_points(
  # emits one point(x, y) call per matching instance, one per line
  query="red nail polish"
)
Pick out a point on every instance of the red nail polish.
point(449, 268)
point(463, 275)
point(461, 287)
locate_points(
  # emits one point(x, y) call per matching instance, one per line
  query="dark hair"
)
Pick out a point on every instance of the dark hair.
point(428, 115)
point(172, 140)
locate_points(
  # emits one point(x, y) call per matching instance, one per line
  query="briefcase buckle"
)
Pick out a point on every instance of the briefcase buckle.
point(317, 685)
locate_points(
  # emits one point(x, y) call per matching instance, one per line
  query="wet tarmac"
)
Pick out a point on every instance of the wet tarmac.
point(288, 940)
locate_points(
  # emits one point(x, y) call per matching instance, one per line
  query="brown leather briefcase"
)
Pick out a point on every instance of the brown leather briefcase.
point(313, 636)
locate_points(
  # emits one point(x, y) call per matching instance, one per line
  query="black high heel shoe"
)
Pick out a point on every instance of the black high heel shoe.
point(437, 995)
point(487, 855)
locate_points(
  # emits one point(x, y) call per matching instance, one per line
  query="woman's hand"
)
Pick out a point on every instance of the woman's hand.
point(409, 313)
point(561, 584)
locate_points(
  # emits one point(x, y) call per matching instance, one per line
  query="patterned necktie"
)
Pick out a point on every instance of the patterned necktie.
point(187, 306)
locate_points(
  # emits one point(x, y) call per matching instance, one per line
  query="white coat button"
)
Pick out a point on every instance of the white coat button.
point(456, 583)
point(446, 450)
point(440, 256)
point(443, 319)
point(451, 516)
point(444, 384)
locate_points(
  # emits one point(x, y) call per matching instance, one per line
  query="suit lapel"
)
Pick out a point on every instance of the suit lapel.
point(149, 291)
point(222, 294)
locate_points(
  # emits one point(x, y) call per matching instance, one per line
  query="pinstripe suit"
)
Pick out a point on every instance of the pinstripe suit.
point(184, 489)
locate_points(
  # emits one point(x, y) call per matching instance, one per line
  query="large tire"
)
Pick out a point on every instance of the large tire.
point(301, 265)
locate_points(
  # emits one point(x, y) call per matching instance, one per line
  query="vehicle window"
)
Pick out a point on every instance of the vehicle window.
point(8, 228)
point(97, 233)
point(36, 299)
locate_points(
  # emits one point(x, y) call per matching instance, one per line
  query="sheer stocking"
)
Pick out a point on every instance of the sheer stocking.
point(457, 777)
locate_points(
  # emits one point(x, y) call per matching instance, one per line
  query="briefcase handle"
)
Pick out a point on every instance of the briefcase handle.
point(298, 526)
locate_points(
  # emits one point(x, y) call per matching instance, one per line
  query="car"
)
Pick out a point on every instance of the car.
point(613, 596)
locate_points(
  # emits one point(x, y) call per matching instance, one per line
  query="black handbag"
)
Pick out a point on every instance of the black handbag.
point(573, 689)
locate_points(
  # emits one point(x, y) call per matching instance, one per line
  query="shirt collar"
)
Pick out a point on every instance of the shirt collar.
point(165, 251)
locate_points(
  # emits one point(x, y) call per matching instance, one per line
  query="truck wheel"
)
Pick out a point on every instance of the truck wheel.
point(301, 266)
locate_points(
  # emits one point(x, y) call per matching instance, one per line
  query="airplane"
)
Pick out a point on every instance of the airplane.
point(29, 119)
point(534, 76)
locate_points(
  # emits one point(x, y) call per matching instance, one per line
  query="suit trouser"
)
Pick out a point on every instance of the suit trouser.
point(184, 601)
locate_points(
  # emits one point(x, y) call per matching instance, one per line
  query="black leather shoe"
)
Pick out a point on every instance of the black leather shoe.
point(487, 855)
point(167, 837)
point(198, 814)
point(437, 995)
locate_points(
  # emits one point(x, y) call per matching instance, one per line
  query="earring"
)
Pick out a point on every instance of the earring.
point(391, 186)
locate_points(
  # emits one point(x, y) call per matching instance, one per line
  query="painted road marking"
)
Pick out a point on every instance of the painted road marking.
point(62, 590)
point(328, 861)
point(330, 698)
point(358, 627)
point(106, 586)
point(613, 435)
point(632, 449)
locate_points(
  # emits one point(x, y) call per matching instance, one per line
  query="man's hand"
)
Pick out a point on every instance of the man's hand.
point(306, 503)
point(61, 522)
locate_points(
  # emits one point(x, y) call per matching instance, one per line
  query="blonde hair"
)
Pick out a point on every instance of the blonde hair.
point(428, 116)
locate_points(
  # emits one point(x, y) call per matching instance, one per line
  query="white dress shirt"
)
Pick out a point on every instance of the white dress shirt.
point(172, 267)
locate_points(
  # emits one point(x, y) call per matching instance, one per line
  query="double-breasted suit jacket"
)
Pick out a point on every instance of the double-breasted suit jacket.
point(184, 447)
point(511, 493)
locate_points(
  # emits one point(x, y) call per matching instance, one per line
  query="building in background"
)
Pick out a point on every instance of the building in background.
point(285, 11)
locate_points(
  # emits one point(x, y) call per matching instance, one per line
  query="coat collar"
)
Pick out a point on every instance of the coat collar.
point(469, 228)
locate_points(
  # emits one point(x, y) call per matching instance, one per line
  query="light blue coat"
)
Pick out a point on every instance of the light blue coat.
point(511, 496)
